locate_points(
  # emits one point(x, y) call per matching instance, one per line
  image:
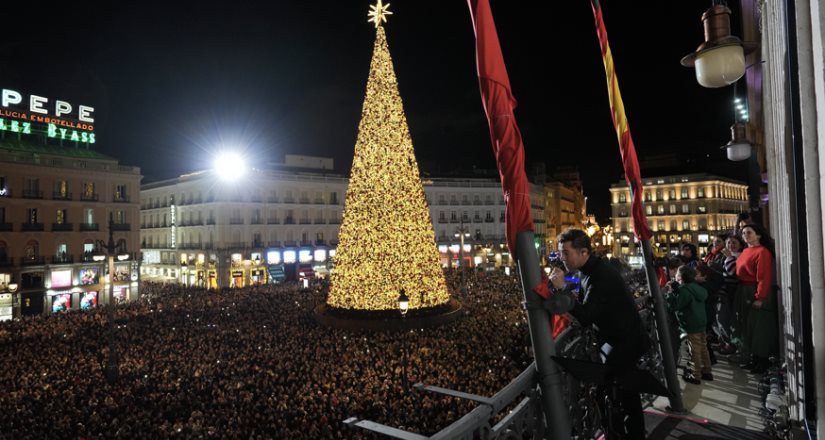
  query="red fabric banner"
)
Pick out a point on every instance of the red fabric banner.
point(508, 148)
point(628, 150)
point(504, 133)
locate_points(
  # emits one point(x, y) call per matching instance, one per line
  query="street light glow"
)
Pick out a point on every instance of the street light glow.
point(229, 165)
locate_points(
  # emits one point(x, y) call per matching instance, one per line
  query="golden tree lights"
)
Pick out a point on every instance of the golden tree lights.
point(387, 242)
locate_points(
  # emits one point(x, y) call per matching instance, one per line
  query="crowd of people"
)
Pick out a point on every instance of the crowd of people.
point(726, 302)
point(250, 363)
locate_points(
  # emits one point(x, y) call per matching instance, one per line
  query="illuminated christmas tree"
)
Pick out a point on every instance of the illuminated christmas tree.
point(387, 242)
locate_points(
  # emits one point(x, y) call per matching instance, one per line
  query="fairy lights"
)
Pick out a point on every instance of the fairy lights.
point(386, 242)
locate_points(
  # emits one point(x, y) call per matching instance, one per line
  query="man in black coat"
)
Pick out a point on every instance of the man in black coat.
point(607, 304)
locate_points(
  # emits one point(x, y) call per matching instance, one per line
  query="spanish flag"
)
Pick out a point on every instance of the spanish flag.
point(629, 160)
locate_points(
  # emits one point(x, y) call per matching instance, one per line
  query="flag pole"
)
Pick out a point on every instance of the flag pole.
point(663, 331)
point(550, 377)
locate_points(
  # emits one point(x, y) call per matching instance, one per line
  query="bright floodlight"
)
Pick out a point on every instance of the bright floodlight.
point(229, 166)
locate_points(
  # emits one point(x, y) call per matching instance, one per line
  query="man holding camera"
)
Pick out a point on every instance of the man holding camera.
point(606, 304)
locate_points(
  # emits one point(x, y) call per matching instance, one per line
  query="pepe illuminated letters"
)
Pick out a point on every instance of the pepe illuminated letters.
point(41, 105)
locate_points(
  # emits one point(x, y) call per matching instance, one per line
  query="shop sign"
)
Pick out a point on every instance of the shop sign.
point(55, 118)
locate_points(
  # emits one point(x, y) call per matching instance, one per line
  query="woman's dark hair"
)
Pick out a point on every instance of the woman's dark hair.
point(688, 274)
point(693, 254)
point(764, 237)
point(577, 238)
point(743, 216)
point(738, 239)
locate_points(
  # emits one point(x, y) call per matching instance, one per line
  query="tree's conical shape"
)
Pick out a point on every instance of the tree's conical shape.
point(387, 242)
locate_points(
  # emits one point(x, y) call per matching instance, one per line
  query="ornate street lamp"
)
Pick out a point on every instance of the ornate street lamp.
point(403, 307)
point(720, 59)
point(739, 148)
point(111, 370)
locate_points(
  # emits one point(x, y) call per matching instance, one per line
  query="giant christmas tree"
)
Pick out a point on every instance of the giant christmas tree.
point(387, 242)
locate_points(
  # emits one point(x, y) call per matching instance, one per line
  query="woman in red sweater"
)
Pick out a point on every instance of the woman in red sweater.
point(755, 270)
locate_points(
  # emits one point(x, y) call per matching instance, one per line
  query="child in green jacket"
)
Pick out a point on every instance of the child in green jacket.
point(688, 303)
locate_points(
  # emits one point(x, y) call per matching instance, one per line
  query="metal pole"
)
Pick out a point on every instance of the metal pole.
point(663, 330)
point(404, 353)
point(550, 377)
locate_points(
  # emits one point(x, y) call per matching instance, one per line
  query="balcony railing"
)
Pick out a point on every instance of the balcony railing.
point(237, 245)
point(62, 226)
point(57, 195)
point(306, 243)
point(120, 199)
point(121, 227)
point(31, 226)
point(85, 227)
point(304, 221)
point(210, 221)
point(256, 221)
point(272, 200)
point(236, 221)
point(289, 200)
point(6, 227)
point(289, 221)
point(5, 192)
point(318, 201)
point(32, 194)
point(89, 197)
point(335, 221)
point(31, 261)
point(6, 261)
point(62, 259)
point(290, 243)
point(273, 221)
point(319, 221)
point(274, 243)
point(304, 200)
point(443, 220)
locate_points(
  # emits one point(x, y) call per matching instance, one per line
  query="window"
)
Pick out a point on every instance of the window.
point(61, 217)
point(660, 226)
point(120, 217)
point(2, 214)
point(649, 210)
point(4, 190)
point(685, 225)
point(702, 209)
point(684, 193)
point(89, 215)
point(700, 192)
point(88, 189)
point(61, 189)
point(622, 198)
point(660, 209)
point(673, 209)
point(671, 194)
point(120, 193)
point(31, 216)
point(647, 196)
point(333, 198)
point(658, 194)
point(442, 216)
point(623, 212)
point(685, 208)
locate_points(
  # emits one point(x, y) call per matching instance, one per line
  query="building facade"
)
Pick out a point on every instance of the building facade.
point(55, 209)
point(683, 208)
point(199, 230)
point(565, 209)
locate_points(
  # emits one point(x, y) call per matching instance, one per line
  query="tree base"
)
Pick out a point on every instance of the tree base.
point(378, 320)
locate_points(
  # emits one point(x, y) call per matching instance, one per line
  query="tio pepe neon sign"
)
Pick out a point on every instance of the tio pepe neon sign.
point(58, 120)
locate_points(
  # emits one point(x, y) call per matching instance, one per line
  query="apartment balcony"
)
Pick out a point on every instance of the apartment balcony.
point(256, 200)
point(256, 221)
point(258, 244)
point(453, 220)
point(63, 259)
point(304, 201)
point(273, 221)
point(305, 221)
point(89, 197)
point(62, 227)
point(6, 227)
point(121, 227)
point(290, 243)
point(320, 243)
point(57, 195)
point(465, 219)
point(443, 220)
point(236, 245)
point(32, 261)
point(85, 227)
point(32, 194)
point(489, 220)
point(289, 221)
point(210, 221)
point(318, 201)
point(319, 221)
point(477, 202)
point(335, 221)
point(306, 243)
point(6, 261)
point(120, 199)
point(289, 200)
point(476, 219)
point(236, 221)
point(31, 226)
point(488, 202)
point(274, 243)
point(272, 200)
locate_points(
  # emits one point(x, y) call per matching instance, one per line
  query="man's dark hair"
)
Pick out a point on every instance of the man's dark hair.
point(742, 216)
point(577, 238)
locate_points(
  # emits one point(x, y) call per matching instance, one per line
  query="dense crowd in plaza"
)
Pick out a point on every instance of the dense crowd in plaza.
point(250, 363)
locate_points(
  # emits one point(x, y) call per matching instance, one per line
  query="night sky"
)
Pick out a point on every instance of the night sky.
point(172, 82)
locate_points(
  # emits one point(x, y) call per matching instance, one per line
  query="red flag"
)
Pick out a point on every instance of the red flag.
point(629, 160)
point(504, 133)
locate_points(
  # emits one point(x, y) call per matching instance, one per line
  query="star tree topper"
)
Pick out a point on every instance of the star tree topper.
point(378, 13)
